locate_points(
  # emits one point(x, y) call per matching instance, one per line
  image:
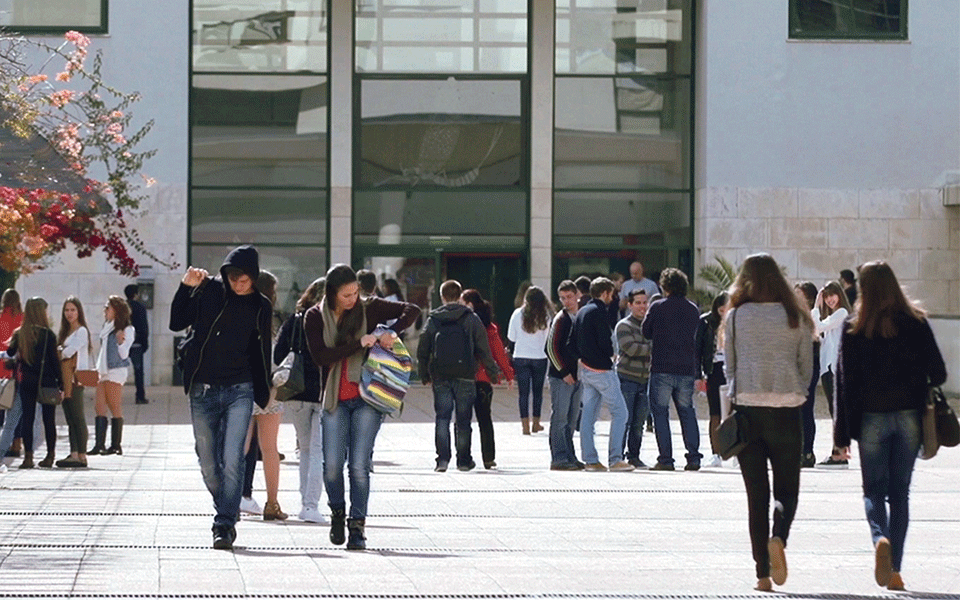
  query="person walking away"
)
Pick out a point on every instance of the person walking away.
point(710, 363)
point(633, 369)
point(830, 310)
point(74, 344)
point(116, 339)
point(849, 284)
point(564, 387)
point(806, 293)
point(225, 361)
point(594, 343)
point(484, 400)
point(671, 324)
point(767, 355)
point(528, 333)
point(11, 317)
point(452, 343)
point(888, 358)
point(141, 341)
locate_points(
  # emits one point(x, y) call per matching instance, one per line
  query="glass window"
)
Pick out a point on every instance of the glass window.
point(441, 133)
point(621, 219)
point(246, 216)
point(623, 36)
point(848, 19)
point(259, 130)
point(622, 133)
point(488, 36)
point(260, 35)
point(88, 16)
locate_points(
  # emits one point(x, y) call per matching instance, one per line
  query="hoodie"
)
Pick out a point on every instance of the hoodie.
point(229, 339)
point(476, 332)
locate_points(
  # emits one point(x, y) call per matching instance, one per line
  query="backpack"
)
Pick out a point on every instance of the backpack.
point(452, 356)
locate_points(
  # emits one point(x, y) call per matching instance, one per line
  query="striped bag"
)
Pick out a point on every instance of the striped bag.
point(385, 377)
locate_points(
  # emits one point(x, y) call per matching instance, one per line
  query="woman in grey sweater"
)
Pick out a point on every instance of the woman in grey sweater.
point(769, 360)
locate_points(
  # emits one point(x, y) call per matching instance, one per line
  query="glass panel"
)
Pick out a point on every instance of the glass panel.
point(622, 133)
point(570, 264)
point(260, 35)
point(53, 14)
point(444, 133)
point(623, 36)
point(618, 219)
point(295, 268)
point(848, 18)
point(259, 130)
point(244, 216)
point(424, 36)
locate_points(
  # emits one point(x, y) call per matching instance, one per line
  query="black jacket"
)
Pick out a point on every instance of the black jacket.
point(594, 336)
point(311, 373)
point(200, 307)
point(705, 342)
point(50, 363)
point(475, 330)
point(138, 318)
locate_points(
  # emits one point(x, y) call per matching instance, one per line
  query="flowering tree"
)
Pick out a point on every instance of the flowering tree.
point(72, 124)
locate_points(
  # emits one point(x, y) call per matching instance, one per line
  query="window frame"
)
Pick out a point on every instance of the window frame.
point(794, 33)
point(101, 29)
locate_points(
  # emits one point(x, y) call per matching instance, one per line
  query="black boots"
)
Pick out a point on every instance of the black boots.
point(100, 435)
point(116, 434)
point(357, 541)
point(337, 518)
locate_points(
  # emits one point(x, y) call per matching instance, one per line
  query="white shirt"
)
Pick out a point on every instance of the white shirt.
point(648, 285)
point(831, 328)
point(526, 345)
point(78, 343)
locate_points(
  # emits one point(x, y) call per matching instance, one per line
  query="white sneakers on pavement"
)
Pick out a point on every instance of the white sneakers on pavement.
point(310, 515)
point(250, 506)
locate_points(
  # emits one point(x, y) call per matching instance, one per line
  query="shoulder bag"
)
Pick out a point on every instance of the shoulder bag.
point(385, 376)
point(733, 434)
point(939, 426)
point(7, 393)
point(68, 367)
point(288, 378)
point(47, 395)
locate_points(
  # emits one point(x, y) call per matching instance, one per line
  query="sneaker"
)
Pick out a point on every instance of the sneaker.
point(223, 537)
point(734, 462)
point(564, 466)
point(896, 582)
point(808, 461)
point(467, 467)
point(713, 462)
point(441, 466)
point(3, 468)
point(310, 515)
point(692, 467)
point(637, 463)
point(489, 464)
point(250, 506)
point(580, 465)
point(621, 466)
point(663, 467)
point(883, 566)
point(596, 467)
point(778, 560)
point(833, 463)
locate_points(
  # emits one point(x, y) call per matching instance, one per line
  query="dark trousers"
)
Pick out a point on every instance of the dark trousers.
point(481, 407)
point(778, 440)
point(809, 423)
point(49, 413)
point(250, 463)
point(76, 421)
point(136, 358)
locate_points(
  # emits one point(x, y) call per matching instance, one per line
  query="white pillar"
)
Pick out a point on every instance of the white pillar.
point(341, 130)
point(541, 143)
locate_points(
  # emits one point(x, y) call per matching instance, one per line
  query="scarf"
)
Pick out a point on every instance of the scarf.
point(331, 391)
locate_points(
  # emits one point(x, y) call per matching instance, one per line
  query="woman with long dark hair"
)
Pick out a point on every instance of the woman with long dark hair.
point(710, 354)
point(830, 310)
point(484, 399)
point(528, 329)
point(767, 356)
point(113, 360)
point(74, 343)
point(888, 357)
point(339, 329)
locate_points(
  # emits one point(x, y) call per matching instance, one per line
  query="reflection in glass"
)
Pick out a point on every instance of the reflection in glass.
point(443, 133)
point(259, 130)
point(425, 36)
point(84, 15)
point(848, 18)
point(618, 219)
point(260, 35)
point(622, 133)
point(623, 36)
point(258, 216)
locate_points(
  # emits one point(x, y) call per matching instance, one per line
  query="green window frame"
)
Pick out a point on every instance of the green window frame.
point(849, 20)
point(42, 29)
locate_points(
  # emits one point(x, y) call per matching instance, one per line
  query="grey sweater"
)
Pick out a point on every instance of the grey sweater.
point(772, 363)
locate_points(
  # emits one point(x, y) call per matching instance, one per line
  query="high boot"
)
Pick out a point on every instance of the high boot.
point(116, 435)
point(536, 425)
point(100, 435)
point(27, 461)
point(357, 540)
point(337, 517)
point(526, 425)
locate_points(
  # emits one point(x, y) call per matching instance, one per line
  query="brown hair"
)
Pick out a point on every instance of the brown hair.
point(600, 285)
point(760, 280)
point(881, 302)
point(311, 295)
point(674, 282)
point(34, 322)
point(121, 312)
point(11, 300)
point(450, 290)
point(65, 325)
point(832, 288)
point(537, 310)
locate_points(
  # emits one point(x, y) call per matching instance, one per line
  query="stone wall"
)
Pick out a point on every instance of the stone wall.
point(814, 233)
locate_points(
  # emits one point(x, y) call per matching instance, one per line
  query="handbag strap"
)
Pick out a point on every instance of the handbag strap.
point(733, 347)
point(43, 361)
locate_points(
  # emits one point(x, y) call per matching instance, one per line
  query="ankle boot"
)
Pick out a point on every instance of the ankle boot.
point(100, 435)
point(27, 460)
point(337, 518)
point(536, 425)
point(47, 461)
point(526, 426)
point(116, 435)
point(357, 540)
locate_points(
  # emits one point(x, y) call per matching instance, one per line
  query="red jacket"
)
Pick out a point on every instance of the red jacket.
point(499, 356)
point(8, 324)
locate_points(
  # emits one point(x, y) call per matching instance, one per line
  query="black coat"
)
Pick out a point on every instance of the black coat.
point(49, 363)
point(311, 373)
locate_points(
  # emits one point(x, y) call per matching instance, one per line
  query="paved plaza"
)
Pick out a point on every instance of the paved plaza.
point(138, 525)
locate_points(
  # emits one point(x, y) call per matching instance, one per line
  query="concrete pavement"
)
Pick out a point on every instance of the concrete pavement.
point(138, 525)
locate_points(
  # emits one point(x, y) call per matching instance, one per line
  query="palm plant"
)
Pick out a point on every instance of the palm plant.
point(718, 277)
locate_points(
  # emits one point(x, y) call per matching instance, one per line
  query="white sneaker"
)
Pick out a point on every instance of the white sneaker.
point(250, 506)
point(713, 461)
point(3, 468)
point(734, 463)
point(310, 515)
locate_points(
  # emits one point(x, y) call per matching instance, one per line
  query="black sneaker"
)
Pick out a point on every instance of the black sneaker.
point(467, 467)
point(692, 467)
point(808, 461)
point(637, 463)
point(564, 466)
point(223, 537)
point(833, 463)
point(663, 467)
point(441, 466)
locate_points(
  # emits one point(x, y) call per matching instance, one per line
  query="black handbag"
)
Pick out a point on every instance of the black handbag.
point(289, 377)
point(47, 395)
point(939, 426)
point(733, 434)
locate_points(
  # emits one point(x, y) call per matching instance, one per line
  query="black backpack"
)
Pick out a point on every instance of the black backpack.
point(452, 356)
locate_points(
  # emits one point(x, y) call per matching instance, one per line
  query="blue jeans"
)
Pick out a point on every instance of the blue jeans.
point(889, 443)
point(221, 415)
point(530, 374)
point(679, 388)
point(638, 407)
point(450, 395)
point(10, 421)
point(306, 422)
point(603, 386)
point(350, 429)
point(565, 407)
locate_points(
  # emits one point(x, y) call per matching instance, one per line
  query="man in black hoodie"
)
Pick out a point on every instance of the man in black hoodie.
point(450, 344)
point(225, 362)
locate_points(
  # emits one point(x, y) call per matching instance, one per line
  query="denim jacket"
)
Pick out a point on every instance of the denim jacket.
point(113, 353)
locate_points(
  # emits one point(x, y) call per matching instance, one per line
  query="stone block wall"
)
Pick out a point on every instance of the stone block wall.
point(814, 233)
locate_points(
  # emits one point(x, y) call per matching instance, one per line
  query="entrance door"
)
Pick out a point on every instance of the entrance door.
point(496, 276)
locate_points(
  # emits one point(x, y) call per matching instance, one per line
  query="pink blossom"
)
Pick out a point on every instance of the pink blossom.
point(116, 114)
point(36, 78)
point(61, 98)
point(77, 38)
point(63, 76)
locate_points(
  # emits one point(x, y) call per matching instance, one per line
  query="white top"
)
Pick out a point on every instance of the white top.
point(78, 343)
point(648, 285)
point(526, 345)
point(124, 348)
point(831, 329)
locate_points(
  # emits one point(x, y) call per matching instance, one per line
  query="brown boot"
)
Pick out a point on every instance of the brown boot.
point(526, 426)
point(47, 462)
point(27, 461)
point(536, 425)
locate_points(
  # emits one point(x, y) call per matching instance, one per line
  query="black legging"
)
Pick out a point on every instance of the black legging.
point(481, 406)
point(49, 414)
point(809, 421)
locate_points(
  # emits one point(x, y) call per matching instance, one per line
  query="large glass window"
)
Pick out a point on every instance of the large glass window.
point(42, 16)
point(848, 19)
point(450, 36)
